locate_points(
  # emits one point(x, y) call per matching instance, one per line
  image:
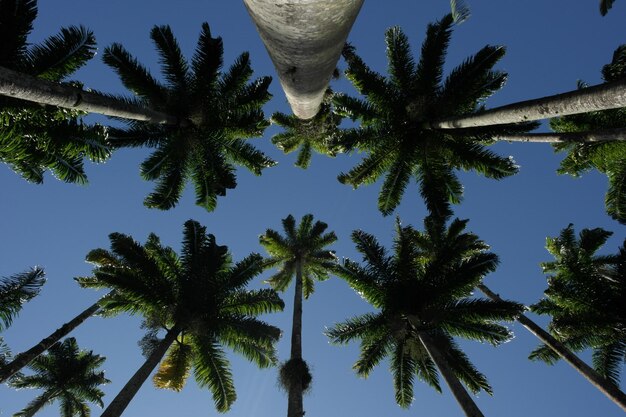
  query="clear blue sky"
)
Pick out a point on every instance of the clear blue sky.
point(551, 44)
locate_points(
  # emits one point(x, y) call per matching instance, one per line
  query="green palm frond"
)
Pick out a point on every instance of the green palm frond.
point(17, 290)
point(403, 368)
point(605, 6)
point(212, 370)
point(217, 112)
point(395, 114)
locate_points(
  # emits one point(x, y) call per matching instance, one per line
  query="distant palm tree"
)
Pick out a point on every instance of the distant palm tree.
point(17, 290)
point(422, 293)
point(396, 110)
point(315, 134)
point(66, 374)
point(608, 158)
point(35, 138)
point(216, 113)
point(198, 299)
point(301, 254)
point(585, 299)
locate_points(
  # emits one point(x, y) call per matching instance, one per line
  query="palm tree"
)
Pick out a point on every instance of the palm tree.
point(395, 112)
point(301, 254)
point(36, 138)
point(17, 290)
point(585, 299)
point(216, 112)
point(66, 374)
point(198, 298)
point(422, 292)
point(605, 386)
point(606, 157)
point(315, 134)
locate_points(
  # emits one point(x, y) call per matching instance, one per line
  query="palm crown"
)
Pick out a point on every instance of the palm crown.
point(200, 297)
point(422, 292)
point(396, 110)
point(35, 138)
point(585, 298)
point(316, 134)
point(217, 112)
point(606, 157)
point(303, 247)
point(66, 374)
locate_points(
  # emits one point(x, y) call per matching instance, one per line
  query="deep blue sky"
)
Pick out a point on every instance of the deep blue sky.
point(550, 46)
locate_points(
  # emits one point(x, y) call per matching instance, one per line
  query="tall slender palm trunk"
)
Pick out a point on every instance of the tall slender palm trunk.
point(608, 135)
point(127, 393)
point(24, 358)
point(458, 390)
point(600, 97)
point(29, 88)
point(605, 386)
point(295, 402)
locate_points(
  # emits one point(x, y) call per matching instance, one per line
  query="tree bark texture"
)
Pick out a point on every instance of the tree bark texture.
point(127, 393)
point(605, 386)
point(29, 88)
point(609, 135)
point(24, 358)
point(295, 402)
point(304, 39)
point(458, 390)
point(600, 97)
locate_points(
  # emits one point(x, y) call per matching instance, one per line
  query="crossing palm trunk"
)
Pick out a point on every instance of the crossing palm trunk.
point(608, 135)
point(458, 390)
point(605, 386)
point(24, 358)
point(295, 402)
point(29, 88)
point(127, 393)
point(304, 38)
point(600, 97)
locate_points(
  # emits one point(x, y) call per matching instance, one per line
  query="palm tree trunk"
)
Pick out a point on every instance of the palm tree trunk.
point(127, 393)
point(605, 386)
point(458, 390)
point(24, 358)
point(600, 97)
point(26, 87)
point(304, 38)
point(609, 135)
point(295, 402)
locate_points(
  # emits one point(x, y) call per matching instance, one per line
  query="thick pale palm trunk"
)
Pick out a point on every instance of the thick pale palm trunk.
point(304, 38)
point(609, 135)
point(605, 386)
point(124, 397)
point(600, 97)
point(24, 358)
point(295, 402)
point(458, 390)
point(25, 87)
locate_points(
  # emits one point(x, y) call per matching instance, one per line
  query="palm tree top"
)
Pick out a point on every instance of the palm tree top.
point(199, 295)
point(217, 111)
point(423, 287)
point(585, 298)
point(396, 110)
point(302, 245)
point(67, 374)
